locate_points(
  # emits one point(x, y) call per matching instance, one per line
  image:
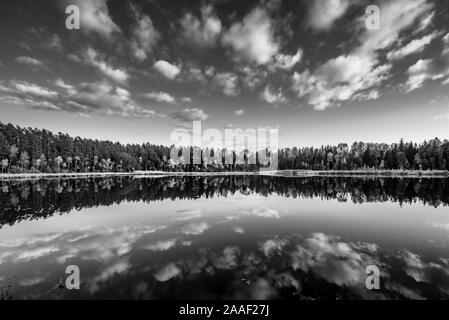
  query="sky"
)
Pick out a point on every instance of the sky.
point(137, 70)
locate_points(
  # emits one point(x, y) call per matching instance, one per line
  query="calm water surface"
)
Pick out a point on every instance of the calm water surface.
point(225, 237)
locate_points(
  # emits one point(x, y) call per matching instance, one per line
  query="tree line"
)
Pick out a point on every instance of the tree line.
point(35, 150)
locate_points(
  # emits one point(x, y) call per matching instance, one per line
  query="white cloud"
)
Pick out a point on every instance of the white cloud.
point(194, 74)
point(285, 61)
point(203, 32)
point(422, 271)
point(145, 35)
point(334, 260)
point(11, 100)
point(273, 97)
point(36, 253)
point(69, 88)
point(413, 46)
point(94, 15)
point(421, 65)
point(252, 77)
point(92, 57)
point(239, 112)
point(32, 102)
point(238, 229)
point(106, 98)
point(228, 260)
point(344, 69)
point(418, 74)
point(338, 80)
point(357, 75)
point(29, 94)
point(79, 106)
point(166, 69)
point(115, 268)
point(188, 215)
point(168, 272)
point(446, 38)
point(271, 246)
point(108, 248)
point(264, 212)
point(186, 99)
point(41, 104)
point(446, 47)
point(397, 15)
point(29, 61)
point(33, 89)
point(209, 71)
point(252, 39)
point(122, 94)
point(367, 95)
point(323, 13)
point(189, 114)
point(195, 228)
point(426, 21)
point(160, 96)
point(228, 82)
point(161, 245)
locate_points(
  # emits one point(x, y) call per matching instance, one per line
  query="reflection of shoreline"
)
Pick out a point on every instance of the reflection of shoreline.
point(29, 199)
point(283, 173)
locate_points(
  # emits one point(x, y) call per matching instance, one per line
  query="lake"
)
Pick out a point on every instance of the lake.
point(225, 237)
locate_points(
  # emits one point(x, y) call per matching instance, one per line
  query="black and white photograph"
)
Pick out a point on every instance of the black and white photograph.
point(236, 151)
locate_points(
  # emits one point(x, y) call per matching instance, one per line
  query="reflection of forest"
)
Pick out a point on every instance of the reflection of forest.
point(34, 199)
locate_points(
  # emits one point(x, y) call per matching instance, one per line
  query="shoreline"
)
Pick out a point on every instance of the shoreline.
point(363, 173)
point(277, 173)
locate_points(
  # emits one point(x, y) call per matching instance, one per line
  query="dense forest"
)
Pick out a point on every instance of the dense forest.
point(34, 150)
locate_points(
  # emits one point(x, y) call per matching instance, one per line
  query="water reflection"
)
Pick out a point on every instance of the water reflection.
point(21, 200)
point(242, 238)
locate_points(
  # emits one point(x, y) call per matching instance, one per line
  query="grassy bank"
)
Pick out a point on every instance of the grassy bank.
point(363, 173)
point(138, 174)
point(69, 175)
